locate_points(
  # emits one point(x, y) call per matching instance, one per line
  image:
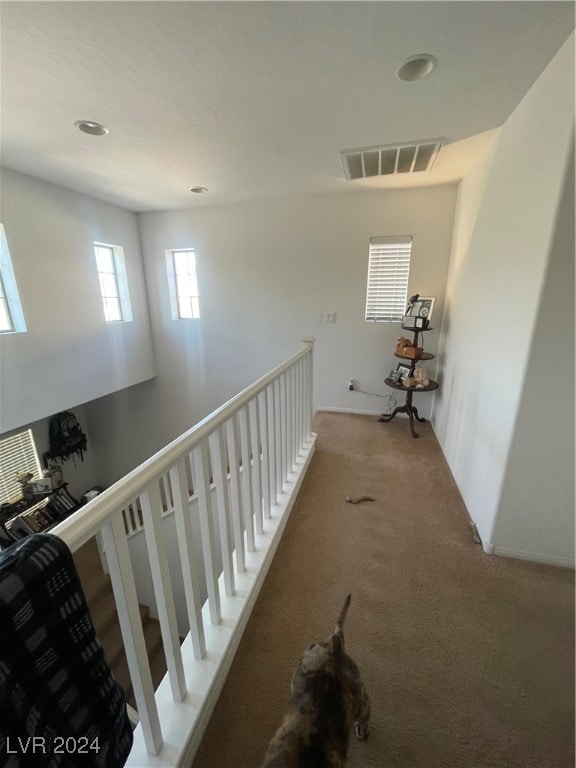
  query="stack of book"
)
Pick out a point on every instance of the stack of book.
point(39, 518)
point(60, 505)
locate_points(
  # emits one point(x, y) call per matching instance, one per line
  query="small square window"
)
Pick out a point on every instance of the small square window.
point(183, 284)
point(113, 282)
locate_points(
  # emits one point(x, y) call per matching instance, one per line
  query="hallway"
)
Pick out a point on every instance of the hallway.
point(468, 658)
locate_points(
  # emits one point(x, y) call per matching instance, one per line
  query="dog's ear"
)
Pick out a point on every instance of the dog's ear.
point(337, 637)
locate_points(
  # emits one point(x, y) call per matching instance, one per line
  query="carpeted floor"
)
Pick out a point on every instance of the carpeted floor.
point(468, 658)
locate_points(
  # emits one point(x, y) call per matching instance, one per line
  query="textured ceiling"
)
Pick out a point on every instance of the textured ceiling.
point(256, 99)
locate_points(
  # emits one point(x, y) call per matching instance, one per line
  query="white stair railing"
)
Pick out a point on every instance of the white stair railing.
point(242, 467)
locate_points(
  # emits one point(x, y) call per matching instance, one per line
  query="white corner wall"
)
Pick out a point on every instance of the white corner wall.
point(69, 354)
point(497, 290)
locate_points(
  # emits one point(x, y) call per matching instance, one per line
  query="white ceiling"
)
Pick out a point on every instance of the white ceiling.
point(256, 99)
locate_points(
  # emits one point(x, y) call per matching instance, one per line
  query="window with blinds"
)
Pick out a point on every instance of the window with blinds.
point(17, 453)
point(388, 272)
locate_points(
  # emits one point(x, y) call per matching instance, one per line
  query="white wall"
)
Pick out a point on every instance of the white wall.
point(496, 289)
point(69, 354)
point(267, 272)
point(536, 514)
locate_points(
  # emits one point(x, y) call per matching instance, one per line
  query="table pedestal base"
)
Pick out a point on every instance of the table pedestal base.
point(408, 408)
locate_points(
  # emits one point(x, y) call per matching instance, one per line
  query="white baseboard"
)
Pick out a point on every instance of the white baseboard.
point(535, 557)
point(360, 411)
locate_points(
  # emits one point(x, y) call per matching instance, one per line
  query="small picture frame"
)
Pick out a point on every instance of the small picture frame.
point(395, 376)
point(422, 307)
point(403, 370)
point(414, 323)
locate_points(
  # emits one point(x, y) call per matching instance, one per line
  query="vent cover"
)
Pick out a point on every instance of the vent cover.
point(411, 157)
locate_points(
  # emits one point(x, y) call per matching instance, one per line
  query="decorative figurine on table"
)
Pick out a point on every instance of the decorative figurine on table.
point(27, 487)
point(421, 377)
point(404, 342)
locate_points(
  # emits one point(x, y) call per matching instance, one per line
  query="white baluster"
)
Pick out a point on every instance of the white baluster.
point(283, 428)
point(264, 429)
point(303, 394)
point(293, 415)
point(307, 397)
point(254, 416)
point(151, 501)
point(299, 406)
point(295, 410)
point(298, 378)
point(278, 430)
point(247, 502)
point(218, 459)
point(179, 486)
point(202, 477)
point(235, 495)
point(272, 443)
point(309, 341)
point(122, 578)
point(288, 406)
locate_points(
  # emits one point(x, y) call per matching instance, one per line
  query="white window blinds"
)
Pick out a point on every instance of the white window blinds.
point(17, 453)
point(388, 271)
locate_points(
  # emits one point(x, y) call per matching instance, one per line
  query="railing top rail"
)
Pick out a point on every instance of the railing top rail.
point(82, 525)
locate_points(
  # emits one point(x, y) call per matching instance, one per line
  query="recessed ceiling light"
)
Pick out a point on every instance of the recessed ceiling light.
point(198, 190)
point(89, 126)
point(417, 67)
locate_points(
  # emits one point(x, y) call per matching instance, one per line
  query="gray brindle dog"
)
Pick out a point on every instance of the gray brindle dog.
point(328, 700)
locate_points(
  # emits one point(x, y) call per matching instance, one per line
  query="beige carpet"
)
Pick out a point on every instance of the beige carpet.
point(469, 659)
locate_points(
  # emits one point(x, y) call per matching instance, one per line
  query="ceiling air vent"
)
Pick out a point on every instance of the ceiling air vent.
point(411, 157)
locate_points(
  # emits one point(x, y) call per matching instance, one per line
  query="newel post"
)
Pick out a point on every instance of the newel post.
point(309, 341)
